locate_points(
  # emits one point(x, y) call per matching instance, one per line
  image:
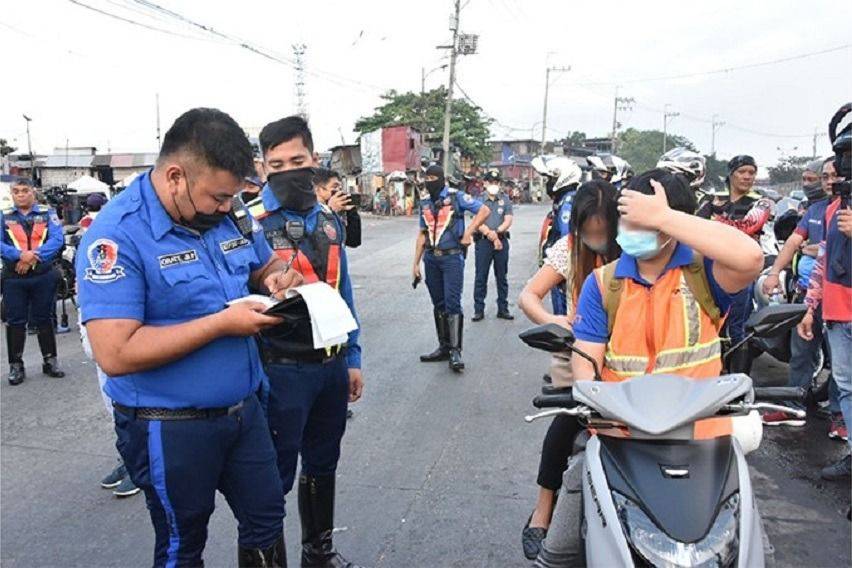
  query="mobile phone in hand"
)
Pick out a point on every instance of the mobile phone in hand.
point(415, 282)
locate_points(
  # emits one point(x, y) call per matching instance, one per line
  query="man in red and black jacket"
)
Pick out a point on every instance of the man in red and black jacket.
point(748, 212)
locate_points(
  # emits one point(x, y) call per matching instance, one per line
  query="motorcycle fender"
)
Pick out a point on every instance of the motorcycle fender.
point(606, 544)
point(751, 528)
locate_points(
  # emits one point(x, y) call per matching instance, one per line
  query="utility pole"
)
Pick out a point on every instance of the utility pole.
point(621, 103)
point(717, 124)
point(546, 91)
point(817, 134)
point(30, 148)
point(454, 26)
point(299, 54)
point(159, 141)
point(422, 80)
point(666, 116)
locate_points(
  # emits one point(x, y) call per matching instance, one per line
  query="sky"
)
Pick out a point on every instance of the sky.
point(92, 80)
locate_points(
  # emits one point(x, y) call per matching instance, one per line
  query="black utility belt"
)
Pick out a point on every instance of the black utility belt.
point(480, 236)
point(319, 356)
point(153, 413)
point(444, 252)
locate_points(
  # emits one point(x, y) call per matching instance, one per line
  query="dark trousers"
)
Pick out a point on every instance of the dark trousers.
point(555, 451)
point(445, 280)
point(30, 299)
point(307, 416)
point(558, 301)
point(803, 357)
point(741, 308)
point(180, 464)
point(485, 256)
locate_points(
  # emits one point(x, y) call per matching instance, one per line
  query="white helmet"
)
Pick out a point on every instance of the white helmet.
point(597, 164)
point(683, 161)
point(563, 171)
point(623, 171)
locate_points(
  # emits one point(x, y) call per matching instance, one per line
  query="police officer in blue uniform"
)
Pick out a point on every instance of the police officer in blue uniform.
point(441, 244)
point(309, 389)
point(156, 274)
point(492, 246)
point(32, 239)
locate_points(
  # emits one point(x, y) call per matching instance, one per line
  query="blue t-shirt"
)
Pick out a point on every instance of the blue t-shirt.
point(811, 227)
point(562, 214)
point(136, 263)
point(591, 321)
point(449, 237)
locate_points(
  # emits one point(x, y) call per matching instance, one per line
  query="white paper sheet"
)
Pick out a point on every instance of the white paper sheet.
point(331, 318)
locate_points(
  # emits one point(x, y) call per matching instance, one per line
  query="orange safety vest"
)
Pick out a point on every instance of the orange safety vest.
point(664, 330)
point(18, 234)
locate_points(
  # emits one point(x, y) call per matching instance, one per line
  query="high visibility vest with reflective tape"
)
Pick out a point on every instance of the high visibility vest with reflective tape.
point(664, 330)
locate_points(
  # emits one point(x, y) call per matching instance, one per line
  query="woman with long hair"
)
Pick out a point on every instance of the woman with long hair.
point(590, 243)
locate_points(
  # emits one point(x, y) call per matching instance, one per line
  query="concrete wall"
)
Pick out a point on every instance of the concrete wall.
point(59, 176)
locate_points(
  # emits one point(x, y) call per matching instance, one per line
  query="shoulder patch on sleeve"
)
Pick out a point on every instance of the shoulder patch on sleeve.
point(103, 262)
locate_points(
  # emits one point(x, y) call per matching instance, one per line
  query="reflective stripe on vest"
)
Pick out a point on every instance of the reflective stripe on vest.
point(19, 236)
point(436, 225)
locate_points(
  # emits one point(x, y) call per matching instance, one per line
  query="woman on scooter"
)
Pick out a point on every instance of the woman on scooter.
point(657, 309)
point(591, 243)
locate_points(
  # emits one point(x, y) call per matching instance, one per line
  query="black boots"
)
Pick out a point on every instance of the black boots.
point(316, 510)
point(442, 353)
point(16, 338)
point(273, 557)
point(455, 327)
point(47, 343)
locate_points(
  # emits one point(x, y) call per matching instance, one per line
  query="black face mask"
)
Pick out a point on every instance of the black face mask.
point(201, 222)
point(294, 189)
point(814, 192)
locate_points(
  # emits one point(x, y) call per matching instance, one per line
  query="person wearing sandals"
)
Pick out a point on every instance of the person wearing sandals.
point(591, 243)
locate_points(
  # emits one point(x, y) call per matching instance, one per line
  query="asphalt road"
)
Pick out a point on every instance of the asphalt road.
point(438, 469)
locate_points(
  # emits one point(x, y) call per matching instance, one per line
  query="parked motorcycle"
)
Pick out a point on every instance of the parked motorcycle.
point(658, 497)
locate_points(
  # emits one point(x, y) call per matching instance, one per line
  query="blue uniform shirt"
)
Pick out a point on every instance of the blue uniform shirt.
point(441, 223)
point(562, 214)
point(136, 263)
point(590, 323)
point(811, 227)
point(271, 204)
point(49, 245)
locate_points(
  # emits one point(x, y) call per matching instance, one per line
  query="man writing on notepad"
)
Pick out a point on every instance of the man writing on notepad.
point(309, 388)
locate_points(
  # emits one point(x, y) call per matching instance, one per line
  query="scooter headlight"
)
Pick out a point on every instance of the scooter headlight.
point(717, 549)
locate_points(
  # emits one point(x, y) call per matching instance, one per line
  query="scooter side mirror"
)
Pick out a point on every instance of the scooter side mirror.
point(549, 337)
point(775, 320)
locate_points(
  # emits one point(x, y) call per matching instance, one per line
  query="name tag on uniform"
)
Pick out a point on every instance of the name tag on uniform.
point(175, 258)
point(233, 244)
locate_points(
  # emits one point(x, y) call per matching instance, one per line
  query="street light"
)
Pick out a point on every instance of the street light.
point(30, 148)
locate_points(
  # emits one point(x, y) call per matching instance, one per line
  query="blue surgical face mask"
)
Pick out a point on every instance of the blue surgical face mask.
point(639, 243)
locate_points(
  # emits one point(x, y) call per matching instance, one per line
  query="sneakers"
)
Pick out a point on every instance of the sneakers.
point(115, 477)
point(126, 488)
point(837, 428)
point(781, 418)
point(837, 470)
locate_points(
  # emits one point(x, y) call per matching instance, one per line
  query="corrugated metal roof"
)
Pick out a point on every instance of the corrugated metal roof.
point(63, 161)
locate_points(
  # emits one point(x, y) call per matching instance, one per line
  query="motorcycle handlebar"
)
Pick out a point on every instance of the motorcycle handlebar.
point(796, 394)
point(564, 400)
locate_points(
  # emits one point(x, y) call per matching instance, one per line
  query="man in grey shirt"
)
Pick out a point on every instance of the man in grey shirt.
point(492, 246)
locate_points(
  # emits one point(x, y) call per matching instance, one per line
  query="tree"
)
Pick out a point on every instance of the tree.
point(717, 170)
point(469, 127)
point(642, 148)
point(789, 169)
point(574, 139)
point(5, 149)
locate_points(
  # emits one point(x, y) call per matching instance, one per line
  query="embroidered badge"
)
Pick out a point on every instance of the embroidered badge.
point(103, 257)
point(174, 258)
point(233, 244)
point(467, 198)
point(499, 210)
point(330, 230)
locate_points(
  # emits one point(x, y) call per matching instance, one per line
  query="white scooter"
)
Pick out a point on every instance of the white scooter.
point(658, 497)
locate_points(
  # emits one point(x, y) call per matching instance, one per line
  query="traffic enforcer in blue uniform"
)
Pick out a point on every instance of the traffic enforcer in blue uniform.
point(32, 240)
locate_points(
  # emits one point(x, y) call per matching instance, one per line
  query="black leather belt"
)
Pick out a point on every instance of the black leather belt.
point(152, 413)
point(480, 236)
point(315, 357)
point(445, 252)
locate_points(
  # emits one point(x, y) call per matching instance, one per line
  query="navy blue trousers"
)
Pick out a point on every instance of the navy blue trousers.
point(445, 280)
point(741, 308)
point(485, 256)
point(30, 299)
point(307, 416)
point(180, 464)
